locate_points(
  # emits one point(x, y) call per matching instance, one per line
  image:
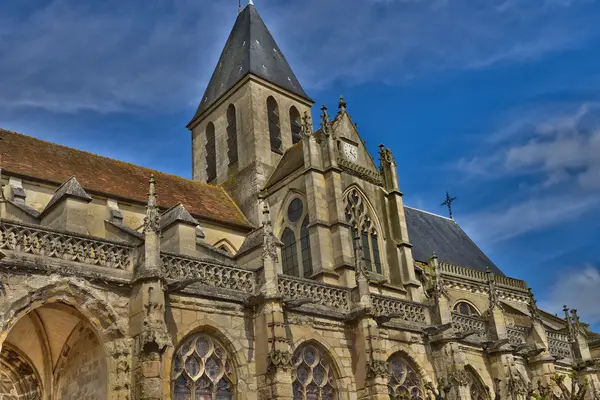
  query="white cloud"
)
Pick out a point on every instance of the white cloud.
point(577, 288)
point(67, 56)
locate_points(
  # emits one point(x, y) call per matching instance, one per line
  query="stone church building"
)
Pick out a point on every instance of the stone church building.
point(287, 268)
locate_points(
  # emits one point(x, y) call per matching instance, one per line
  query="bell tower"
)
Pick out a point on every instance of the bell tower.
point(250, 114)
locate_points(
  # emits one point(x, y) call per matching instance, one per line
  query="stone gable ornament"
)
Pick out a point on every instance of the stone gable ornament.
point(152, 219)
point(342, 105)
point(270, 241)
point(307, 125)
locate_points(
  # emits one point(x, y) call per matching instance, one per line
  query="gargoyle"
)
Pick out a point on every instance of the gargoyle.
point(292, 304)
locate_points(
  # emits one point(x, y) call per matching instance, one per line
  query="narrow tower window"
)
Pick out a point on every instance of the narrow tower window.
point(295, 125)
point(211, 153)
point(305, 248)
point(232, 150)
point(289, 253)
point(274, 128)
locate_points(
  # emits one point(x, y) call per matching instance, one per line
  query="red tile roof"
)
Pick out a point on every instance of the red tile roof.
point(30, 157)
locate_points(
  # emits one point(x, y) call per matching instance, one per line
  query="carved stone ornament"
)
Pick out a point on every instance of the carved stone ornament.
point(532, 306)
point(377, 368)
point(152, 219)
point(270, 242)
point(493, 291)
point(325, 121)
point(307, 124)
point(460, 377)
point(119, 351)
point(385, 155)
point(279, 359)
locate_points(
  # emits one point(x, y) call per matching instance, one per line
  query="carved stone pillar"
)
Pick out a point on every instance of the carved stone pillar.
point(273, 356)
point(147, 310)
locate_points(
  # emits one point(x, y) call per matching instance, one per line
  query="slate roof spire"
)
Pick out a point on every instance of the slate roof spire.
point(250, 49)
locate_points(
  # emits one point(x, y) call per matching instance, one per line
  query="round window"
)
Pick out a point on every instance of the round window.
point(295, 210)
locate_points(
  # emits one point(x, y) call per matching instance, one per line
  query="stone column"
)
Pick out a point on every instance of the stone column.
point(119, 368)
point(147, 310)
point(273, 356)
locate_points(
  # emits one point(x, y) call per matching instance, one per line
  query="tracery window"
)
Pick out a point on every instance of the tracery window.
point(232, 150)
point(404, 381)
point(476, 387)
point(295, 125)
point(211, 153)
point(296, 256)
point(313, 376)
point(465, 308)
point(274, 127)
point(362, 225)
point(202, 370)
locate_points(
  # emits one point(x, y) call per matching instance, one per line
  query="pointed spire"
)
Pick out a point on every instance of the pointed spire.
point(152, 219)
point(250, 3)
point(342, 105)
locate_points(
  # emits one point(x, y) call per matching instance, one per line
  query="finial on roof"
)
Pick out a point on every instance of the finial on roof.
point(448, 202)
point(307, 125)
point(239, 6)
point(152, 219)
point(152, 191)
point(324, 117)
point(250, 2)
point(342, 104)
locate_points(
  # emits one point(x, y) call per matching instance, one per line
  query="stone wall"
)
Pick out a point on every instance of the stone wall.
point(81, 372)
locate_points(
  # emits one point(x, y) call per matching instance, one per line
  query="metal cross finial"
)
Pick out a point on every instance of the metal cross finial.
point(448, 202)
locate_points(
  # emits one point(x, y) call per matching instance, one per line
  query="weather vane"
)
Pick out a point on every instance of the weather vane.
point(448, 202)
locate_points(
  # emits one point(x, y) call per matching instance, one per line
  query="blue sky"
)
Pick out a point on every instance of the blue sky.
point(497, 101)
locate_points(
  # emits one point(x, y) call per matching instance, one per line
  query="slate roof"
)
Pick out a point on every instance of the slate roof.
point(430, 233)
point(292, 159)
point(26, 156)
point(250, 49)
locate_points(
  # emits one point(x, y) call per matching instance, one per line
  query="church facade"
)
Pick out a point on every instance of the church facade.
point(287, 268)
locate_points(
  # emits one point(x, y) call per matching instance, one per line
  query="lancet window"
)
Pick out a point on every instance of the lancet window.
point(232, 149)
point(274, 126)
point(363, 227)
point(404, 381)
point(202, 370)
point(295, 125)
point(313, 376)
point(296, 257)
point(211, 152)
point(476, 387)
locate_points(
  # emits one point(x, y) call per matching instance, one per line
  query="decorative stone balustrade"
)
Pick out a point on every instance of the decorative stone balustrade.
point(480, 276)
point(294, 288)
point(41, 241)
point(516, 334)
point(469, 323)
point(208, 273)
point(407, 311)
point(559, 345)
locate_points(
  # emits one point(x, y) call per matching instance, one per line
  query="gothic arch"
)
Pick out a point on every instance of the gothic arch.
point(287, 199)
point(75, 293)
point(295, 125)
point(372, 211)
point(406, 377)
point(469, 303)
point(478, 390)
point(309, 357)
point(232, 135)
point(274, 125)
point(227, 244)
point(238, 352)
point(418, 364)
point(210, 149)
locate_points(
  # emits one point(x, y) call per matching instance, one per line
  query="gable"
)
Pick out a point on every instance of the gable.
point(345, 131)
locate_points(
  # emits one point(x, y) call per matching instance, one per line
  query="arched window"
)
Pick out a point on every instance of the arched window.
point(295, 125)
point(465, 308)
point(274, 127)
point(289, 253)
point(305, 247)
point(476, 387)
point(232, 150)
point(362, 226)
point(313, 376)
point(296, 255)
point(404, 381)
point(202, 370)
point(211, 153)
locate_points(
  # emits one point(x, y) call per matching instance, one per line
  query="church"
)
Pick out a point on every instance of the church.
point(287, 268)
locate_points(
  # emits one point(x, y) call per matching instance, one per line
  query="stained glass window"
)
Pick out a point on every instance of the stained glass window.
point(295, 210)
point(232, 150)
point(295, 125)
point(404, 381)
point(476, 387)
point(211, 152)
point(274, 127)
point(289, 253)
point(357, 215)
point(465, 309)
point(313, 377)
point(202, 370)
point(305, 247)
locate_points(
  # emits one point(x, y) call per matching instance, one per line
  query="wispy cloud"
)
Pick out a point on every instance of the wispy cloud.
point(67, 56)
point(577, 288)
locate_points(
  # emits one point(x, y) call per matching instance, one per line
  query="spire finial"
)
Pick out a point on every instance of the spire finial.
point(239, 6)
point(342, 104)
point(307, 125)
point(324, 116)
point(250, 2)
point(448, 202)
point(152, 219)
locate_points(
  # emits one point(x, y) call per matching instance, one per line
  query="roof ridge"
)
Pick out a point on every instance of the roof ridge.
point(108, 158)
point(430, 213)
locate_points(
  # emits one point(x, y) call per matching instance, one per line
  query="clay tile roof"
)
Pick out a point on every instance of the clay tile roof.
point(33, 158)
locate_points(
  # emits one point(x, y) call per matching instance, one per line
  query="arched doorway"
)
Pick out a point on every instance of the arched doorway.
point(57, 354)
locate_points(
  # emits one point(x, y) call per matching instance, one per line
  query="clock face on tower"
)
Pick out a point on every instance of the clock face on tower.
point(350, 151)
